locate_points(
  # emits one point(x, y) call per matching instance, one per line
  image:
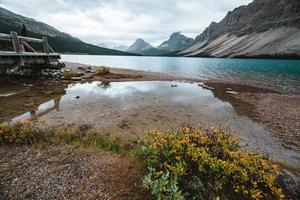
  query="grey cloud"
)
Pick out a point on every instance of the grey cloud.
point(122, 21)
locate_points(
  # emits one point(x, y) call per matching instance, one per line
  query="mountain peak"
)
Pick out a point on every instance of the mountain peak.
point(176, 42)
point(139, 46)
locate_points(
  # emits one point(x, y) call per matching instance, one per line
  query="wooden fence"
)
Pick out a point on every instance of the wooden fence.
point(24, 54)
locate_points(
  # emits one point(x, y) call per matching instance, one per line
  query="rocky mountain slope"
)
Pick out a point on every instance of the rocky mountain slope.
point(176, 42)
point(263, 28)
point(139, 46)
point(59, 41)
point(113, 46)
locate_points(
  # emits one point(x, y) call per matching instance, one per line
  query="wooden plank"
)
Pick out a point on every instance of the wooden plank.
point(51, 50)
point(30, 48)
point(28, 39)
point(15, 41)
point(5, 36)
point(17, 47)
point(46, 49)
point(29, 61)
point(12, 53)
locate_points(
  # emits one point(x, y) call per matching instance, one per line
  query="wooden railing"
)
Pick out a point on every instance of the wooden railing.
point(24, 51)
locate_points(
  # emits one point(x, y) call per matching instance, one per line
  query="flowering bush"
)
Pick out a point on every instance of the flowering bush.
point(20, 133)
point(195, 164)
point(26, 132)
point(101, 70)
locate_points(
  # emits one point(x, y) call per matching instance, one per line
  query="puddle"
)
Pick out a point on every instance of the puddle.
point(7, 94)
point(129, 109)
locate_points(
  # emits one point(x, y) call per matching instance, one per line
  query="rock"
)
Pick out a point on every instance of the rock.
point(139, 46)
point(75, 78)
point(77, 97)
point(263, 27)
point(29, 104)
point(232, 92)
point(49, 92)
point(176, 42)
point(201, 84)
point(174, 85)
point(88, 76)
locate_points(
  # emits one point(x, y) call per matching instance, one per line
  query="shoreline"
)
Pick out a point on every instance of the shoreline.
point(278, 112)
point(281, 119)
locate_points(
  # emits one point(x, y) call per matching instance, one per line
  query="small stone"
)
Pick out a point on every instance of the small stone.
point(201, 84)
point(232, 92)
point(75, 78)
point(77, 97)
point(30, 104)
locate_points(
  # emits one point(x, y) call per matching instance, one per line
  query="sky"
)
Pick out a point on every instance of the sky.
point(123, 21)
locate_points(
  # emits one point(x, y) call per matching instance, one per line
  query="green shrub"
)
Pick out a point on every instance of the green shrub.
point(103, 142)
point(195, 164)
point(99, 71)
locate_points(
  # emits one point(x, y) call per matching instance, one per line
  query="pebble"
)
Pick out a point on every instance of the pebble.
point(232, 92)
point(76, 78)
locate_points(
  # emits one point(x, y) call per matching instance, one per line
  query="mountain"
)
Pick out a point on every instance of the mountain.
point(139, 46)
point(59, 41)
point(104, 45)
point(263, 28)
point(121, 47)
point(176, 42)
point(112, 45)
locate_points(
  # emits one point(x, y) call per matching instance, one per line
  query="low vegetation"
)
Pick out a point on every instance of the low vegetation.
point(70, 74)
point(28, 133)
point(181, 164)
point(99, 71)
point(194, 164)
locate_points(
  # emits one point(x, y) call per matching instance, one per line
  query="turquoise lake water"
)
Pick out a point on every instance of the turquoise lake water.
point(267, 73)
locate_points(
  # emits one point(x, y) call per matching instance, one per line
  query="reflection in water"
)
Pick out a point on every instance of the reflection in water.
point(35, 100)
point(140, 106)
point(277, 74)
point(40, 110)
point(128, 94)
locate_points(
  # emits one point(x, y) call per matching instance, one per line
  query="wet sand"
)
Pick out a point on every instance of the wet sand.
point(279, 113)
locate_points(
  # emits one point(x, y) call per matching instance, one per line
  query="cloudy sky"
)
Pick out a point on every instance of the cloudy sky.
point(122, 21)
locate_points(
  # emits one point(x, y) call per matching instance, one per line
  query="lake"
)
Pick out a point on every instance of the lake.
point(283, 75)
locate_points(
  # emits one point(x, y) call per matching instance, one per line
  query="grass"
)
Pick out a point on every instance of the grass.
point(187, 163)
point(27, 133)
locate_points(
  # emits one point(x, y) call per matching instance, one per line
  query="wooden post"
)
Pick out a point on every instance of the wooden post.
point(17, 47)
point(46, 49)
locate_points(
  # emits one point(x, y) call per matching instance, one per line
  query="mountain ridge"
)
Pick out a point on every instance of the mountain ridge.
point(59, 41)
point(263, 28)
point(175, 43)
